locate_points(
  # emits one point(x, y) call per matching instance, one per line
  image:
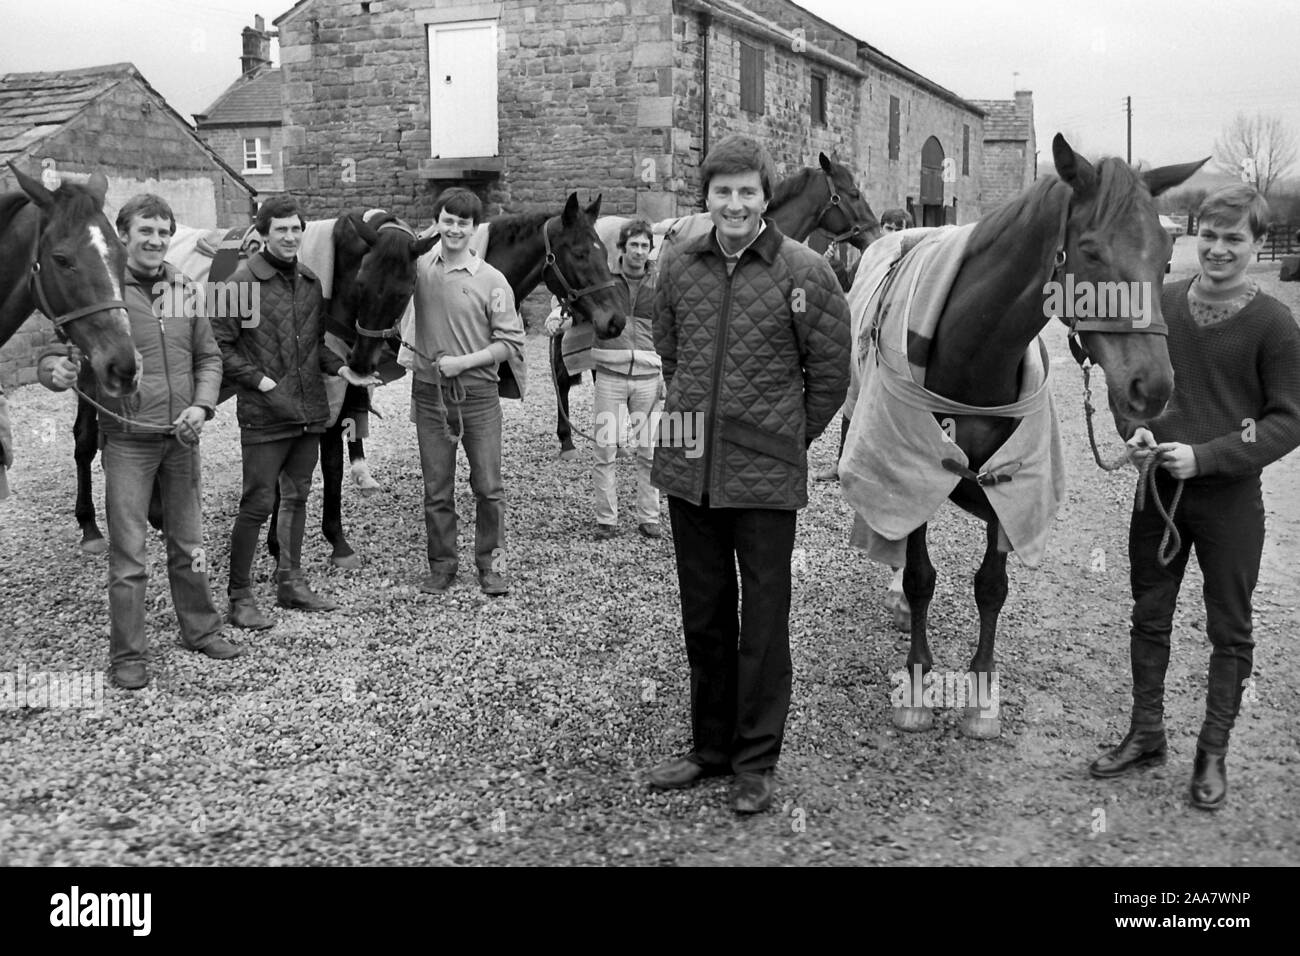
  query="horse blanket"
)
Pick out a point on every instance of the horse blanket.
point(893, 470)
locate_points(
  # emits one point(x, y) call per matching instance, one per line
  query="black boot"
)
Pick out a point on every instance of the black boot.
point(1209, 780)
point(1138, 749)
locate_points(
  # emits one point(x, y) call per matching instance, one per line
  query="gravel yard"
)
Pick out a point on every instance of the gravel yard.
point(413, 729)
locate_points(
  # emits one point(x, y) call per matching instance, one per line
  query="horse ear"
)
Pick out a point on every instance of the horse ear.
point(34, 190)
point(420, 246)
point(1167, 177)
point(367, 233)
point(1074, 170)
point(98, 186)
point(825, 162)
point(570, 214)
point(593, 211)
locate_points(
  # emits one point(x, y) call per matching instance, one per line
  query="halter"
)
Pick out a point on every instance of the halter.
point(392, 332)
point(43, 303)
point(570, 294)
point(831, 203)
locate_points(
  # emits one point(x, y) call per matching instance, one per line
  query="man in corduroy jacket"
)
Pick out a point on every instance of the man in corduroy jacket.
point(754, 334)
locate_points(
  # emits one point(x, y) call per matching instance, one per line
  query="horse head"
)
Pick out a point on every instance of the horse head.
point(1114, 255)
point(577, 268)
point(847, 213)
point(77, 277)
point(374, 279)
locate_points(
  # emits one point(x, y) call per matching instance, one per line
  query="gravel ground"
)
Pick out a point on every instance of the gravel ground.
point(413, 729)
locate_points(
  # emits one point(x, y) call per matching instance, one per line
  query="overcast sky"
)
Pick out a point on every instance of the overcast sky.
point(1190, 65)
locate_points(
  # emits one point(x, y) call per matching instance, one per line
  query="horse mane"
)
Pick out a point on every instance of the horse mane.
point(10, 204)
point(392, 251)
point(789, 187)
point(512, 228)
point(74, 206)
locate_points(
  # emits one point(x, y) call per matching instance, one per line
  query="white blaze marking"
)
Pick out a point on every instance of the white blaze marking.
point(97, 240)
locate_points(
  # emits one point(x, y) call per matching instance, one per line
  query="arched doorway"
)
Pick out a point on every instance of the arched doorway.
point(931, 183)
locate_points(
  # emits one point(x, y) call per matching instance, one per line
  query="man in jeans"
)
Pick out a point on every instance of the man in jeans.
point(278, 359)
point(181, 375)
point(754, 334)
point(465, 326)
point(1236, 358)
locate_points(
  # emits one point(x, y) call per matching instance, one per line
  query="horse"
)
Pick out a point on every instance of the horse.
point(825, 197)
point(1099, 222)
point(59, 254)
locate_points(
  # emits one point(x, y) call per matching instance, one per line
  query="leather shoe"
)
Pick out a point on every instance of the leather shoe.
point(292, 592)
point(606, 531)
point(436, 582)
point(131, 675)
point(1139, 748)
point(752, 792)
point(493, 583)
point(245, 613)
point(650, 529)
point(1209, 780)
point(220, 649)
point(682, 772)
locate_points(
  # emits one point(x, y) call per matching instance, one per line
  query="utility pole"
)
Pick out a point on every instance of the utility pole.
point(1128, 108)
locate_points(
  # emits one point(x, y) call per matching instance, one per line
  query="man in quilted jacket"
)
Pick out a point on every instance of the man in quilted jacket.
point(754, 334)
point(277, 358)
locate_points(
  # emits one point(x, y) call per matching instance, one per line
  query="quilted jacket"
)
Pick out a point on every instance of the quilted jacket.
point(285, 341)
point(757, 364)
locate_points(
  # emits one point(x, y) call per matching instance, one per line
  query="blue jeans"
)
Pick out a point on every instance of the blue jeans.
point(289, 461)
point(480, 416)
point(1225, 523)
point(129, 469)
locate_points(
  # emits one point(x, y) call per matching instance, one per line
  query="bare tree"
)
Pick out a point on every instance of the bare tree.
point(1261, 149)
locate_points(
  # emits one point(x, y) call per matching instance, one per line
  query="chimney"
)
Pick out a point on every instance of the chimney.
point(257, 46)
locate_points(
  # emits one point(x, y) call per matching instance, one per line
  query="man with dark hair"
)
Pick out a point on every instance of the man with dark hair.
point(465, 326)
point(1236, 358)
point(181, 375)
point(754, 334)
point(277, 358)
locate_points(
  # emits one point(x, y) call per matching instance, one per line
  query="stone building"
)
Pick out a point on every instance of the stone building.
point(388, 102)
point(244, 123)
point(1010, 147)
point(66, 124)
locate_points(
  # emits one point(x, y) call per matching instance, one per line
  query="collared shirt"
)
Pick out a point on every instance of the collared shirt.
point(731, 258)
point(461, 309)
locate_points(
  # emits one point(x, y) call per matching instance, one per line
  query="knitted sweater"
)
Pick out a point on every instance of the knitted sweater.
point(1236, 394)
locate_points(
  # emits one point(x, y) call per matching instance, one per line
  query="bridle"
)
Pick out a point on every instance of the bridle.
point(393, 331)
point(43, 303)
point(835, 200)
point(571, 295)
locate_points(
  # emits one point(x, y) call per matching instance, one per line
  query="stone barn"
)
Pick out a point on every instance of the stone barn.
point(388, 102)
point(66, 124)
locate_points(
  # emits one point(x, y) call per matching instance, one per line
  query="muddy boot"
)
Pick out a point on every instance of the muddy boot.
point(292, 592)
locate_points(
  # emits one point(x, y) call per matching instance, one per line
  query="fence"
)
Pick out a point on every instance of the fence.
point(1283, 240)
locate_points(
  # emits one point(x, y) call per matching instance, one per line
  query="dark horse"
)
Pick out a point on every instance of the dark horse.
point(824, 197)
point(1099, 223)
point(59, 254)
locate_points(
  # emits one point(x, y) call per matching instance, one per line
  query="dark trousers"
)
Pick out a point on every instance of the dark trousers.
point(737, 639)
point(1225, 523)
point(290, 462)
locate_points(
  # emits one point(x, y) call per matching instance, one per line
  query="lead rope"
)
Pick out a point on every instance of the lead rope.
point(1146, 480)
point(458, 396)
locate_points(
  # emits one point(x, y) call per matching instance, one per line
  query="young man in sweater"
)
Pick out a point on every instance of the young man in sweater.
point(1235, 409)
point(465, 326)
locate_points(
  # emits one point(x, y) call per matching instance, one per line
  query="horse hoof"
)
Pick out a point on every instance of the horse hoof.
point(900, 612)
point(979, 727)
point(346, 562)
point(370, 490)
point(93, 545)
point(913, 719)
point(569, 454)
point(364, 481)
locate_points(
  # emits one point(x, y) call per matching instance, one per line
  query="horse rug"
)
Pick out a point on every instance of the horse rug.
point(893, 469)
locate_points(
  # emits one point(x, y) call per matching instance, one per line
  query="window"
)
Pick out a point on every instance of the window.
point(965, 150)
point(894, 110)
point(257, 155)
point(752, 95)
point(819, 99)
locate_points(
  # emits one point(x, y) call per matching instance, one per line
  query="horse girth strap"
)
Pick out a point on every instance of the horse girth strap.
point(43, 303)
point(571, 295)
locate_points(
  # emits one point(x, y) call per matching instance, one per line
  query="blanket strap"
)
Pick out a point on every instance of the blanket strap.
point(984, 479)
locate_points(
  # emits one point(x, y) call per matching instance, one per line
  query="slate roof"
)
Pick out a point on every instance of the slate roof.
point(1004, 121)
point(252, 100)
point(35, 105)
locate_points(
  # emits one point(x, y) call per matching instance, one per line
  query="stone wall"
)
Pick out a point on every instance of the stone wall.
point(1003, 172)
point(228, 143)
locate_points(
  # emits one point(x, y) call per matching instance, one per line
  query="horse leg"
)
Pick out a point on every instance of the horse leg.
point(155, 504)
point(560, 376)
point(982, 722)
point(331, 469)
point(918, 586)
point(360, 469)
point(897, 603)
point(272, 526)
point(85, 433)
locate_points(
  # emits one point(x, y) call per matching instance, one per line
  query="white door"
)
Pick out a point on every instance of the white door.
point(463, 93)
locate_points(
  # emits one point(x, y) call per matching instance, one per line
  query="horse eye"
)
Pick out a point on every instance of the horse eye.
point(62, 260)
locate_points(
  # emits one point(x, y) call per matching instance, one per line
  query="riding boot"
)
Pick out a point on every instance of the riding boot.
point(292, 592)
point(245, 613)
